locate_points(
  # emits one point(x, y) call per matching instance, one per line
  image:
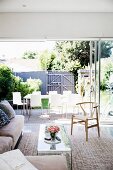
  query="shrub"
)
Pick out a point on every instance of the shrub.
point(10, 83)
point(19, 85)
point(103, 84)
point(6, 81)
point(106, 70)
point(34, 84)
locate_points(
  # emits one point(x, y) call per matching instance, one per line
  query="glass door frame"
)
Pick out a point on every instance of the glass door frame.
point(94, 83)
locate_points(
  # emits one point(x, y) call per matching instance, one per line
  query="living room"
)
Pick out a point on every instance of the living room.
point(55, 21)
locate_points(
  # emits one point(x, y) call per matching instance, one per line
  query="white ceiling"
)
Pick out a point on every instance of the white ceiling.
point(56, 5)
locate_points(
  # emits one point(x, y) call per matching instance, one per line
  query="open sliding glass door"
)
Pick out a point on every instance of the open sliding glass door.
point(92, 87)
point(106, 80)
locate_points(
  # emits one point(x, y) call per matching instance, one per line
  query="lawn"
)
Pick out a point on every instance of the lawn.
point(45, 103)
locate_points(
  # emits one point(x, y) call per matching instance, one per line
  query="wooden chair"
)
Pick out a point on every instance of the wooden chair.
point(88, 115)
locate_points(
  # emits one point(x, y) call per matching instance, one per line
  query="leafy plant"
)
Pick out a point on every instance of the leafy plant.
point(19, 85)
point(10, 83)
point(46, 60)
point(106, 70)
point(6, 81)
point(34, 84)
point(30, 55)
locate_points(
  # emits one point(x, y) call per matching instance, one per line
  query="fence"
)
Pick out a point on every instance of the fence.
point(51, 80)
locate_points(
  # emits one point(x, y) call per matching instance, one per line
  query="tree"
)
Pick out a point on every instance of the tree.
point(30, 55)
point(75, 50)
point(106, 49)
point(76, 54)
point(80, 50)
point(46, 59)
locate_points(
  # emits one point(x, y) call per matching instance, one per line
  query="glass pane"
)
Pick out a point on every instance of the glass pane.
point(106, 82)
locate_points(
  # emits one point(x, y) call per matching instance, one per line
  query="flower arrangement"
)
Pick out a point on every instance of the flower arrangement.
point(53, 129)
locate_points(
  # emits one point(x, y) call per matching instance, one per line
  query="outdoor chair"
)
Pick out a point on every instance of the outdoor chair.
point(51, 93)
point(35, 102)
point(87, 115)
point(18, 101)
point(65, 100)
point(72, 100)
point(36, 92)
point(67, 92)
point(55, 102)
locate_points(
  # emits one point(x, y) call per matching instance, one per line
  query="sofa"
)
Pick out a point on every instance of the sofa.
point(11, 126)
point(5, 144)
point(48, 162)
point(10, 133)
point(11, 158)
point(16, 160)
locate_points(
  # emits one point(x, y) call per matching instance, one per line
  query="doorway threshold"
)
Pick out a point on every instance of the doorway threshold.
point(106, 120)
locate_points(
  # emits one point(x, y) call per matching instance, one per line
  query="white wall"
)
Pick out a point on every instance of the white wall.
point(55, 25)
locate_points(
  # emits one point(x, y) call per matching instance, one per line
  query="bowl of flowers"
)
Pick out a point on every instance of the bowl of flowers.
point(53, 129)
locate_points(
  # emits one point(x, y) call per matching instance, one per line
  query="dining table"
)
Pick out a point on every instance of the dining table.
point(43, 96)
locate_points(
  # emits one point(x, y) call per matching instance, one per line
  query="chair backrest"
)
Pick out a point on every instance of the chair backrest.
point(67, 92)
point(51, 93)
point(89, 108)
point(65, 96)
point(16, 97)
point(73, 99)
point(35, 100)
point(55, 100)
point(36, 92)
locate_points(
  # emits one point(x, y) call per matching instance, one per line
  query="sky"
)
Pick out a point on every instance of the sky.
point(17, 49)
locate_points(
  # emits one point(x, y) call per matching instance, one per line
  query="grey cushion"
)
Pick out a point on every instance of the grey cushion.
point(7, 108)
point(4, 119)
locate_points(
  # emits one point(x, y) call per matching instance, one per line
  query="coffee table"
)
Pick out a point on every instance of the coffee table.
point(45, 148)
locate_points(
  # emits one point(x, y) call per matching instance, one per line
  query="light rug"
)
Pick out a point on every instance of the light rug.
point(28, 143)
point(96, 154)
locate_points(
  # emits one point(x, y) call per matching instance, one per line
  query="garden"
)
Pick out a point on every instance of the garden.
point(68, 56)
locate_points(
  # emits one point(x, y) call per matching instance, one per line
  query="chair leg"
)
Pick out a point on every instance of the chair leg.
point(98, 128)
point(29, 113)
point(86, 129)
point(23, 108)
point(42, 109)
point(98, 123)
point(49, 108)
point(71, 125)
point(22, 111)
point(26, 109)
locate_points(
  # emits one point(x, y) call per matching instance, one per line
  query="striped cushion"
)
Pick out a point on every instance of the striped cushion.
point(4, 119)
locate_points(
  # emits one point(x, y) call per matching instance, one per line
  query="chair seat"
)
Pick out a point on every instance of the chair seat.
point(20, 103)
point(84, 118)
